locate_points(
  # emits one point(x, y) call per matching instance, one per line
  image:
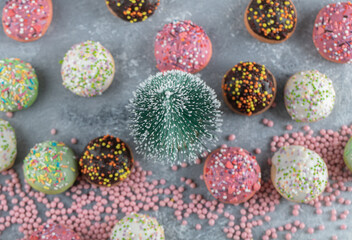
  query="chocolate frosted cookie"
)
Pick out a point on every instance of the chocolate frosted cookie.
point(271, 21)
point(106, 161)
point(249, 88)
point(132, 10)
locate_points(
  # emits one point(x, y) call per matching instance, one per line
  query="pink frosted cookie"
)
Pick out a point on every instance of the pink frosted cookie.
point(332, 32)
point(54, 232)
point(182, 45)
point(232, 175)
point(26, 20)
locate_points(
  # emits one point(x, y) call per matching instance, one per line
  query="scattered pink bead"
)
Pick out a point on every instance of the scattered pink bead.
point(9, 114)
point(198, 226)
point(289, 127)
point(270, 123)
point(258, 151)
point(53, 131)
point(310, 230)
point(74, 140)
point(232, 137)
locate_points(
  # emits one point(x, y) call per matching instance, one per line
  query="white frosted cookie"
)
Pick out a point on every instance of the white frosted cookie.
point(309, 96)
point(88, 69)
point(298, 174)
point(137, 227)
point(8, 145)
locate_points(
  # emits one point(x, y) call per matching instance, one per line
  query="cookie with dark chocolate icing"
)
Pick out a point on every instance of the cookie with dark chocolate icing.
point(271, 21)
point(133, 10)
point(106, 161)
point(249, 88)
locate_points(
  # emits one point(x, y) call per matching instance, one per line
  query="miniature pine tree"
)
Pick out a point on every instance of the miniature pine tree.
point(174, 116)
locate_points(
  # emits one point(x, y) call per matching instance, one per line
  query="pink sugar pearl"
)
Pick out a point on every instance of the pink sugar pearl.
point(288, 236)
point(289, 127)
point(198, 226)
point(258, 151)
point(270, 123)
point(53, 131)
point(231, 137)
point(9, 114)
point(310, 230)
point(74, 140)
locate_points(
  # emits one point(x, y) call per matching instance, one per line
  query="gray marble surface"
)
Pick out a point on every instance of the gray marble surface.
point(132, 46)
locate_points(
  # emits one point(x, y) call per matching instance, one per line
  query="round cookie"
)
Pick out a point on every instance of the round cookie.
point(182, 45)
point(18, 84)
point(309, 96)
point(54, 232)
point(50, 167)
point(26, 20)
point(88, 69)
point(249, 88)
point(132, 10)
point(8, 145)
point(347, 154)
point(332, 32)
point(298, 174)
point(271, 21)
point(232, 175)
point(138, 227)
point(106, 161)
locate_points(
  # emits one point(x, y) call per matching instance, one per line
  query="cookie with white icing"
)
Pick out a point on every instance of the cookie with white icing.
point(309, 96)
point(138, 227)
point(299, 174)
point(8, 145)
point(88, 69)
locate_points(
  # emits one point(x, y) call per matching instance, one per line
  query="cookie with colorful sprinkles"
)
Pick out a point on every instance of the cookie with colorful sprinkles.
point(332, 32)
point(133, 10)
point(137, 226)
point(347, 154)
point(271, 21)
point(54, 232)
point(298, 174)
point(18, 84)
point(309, 96)
point(249, 88)
point(182, 45)
point(88, 69)
point(106, 161)
point(232, 175)
point(8, 145)
point(27, 20)
point(50, 167)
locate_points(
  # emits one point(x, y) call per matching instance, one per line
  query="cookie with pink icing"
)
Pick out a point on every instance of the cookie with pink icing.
point(54, 232)
point(232, 175)
point(27, 20)
point(332, 32)
point(182, 45)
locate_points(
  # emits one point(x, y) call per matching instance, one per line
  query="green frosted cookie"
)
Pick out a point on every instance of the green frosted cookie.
point(347, 154)
point(19, 85)
point(8, 148)
point(50, 167)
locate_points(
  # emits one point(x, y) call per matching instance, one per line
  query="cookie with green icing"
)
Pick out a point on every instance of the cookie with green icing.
point(18, 85)
point(50, 167)
point(88, 69)
point(347, 154)
point(8, 145)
